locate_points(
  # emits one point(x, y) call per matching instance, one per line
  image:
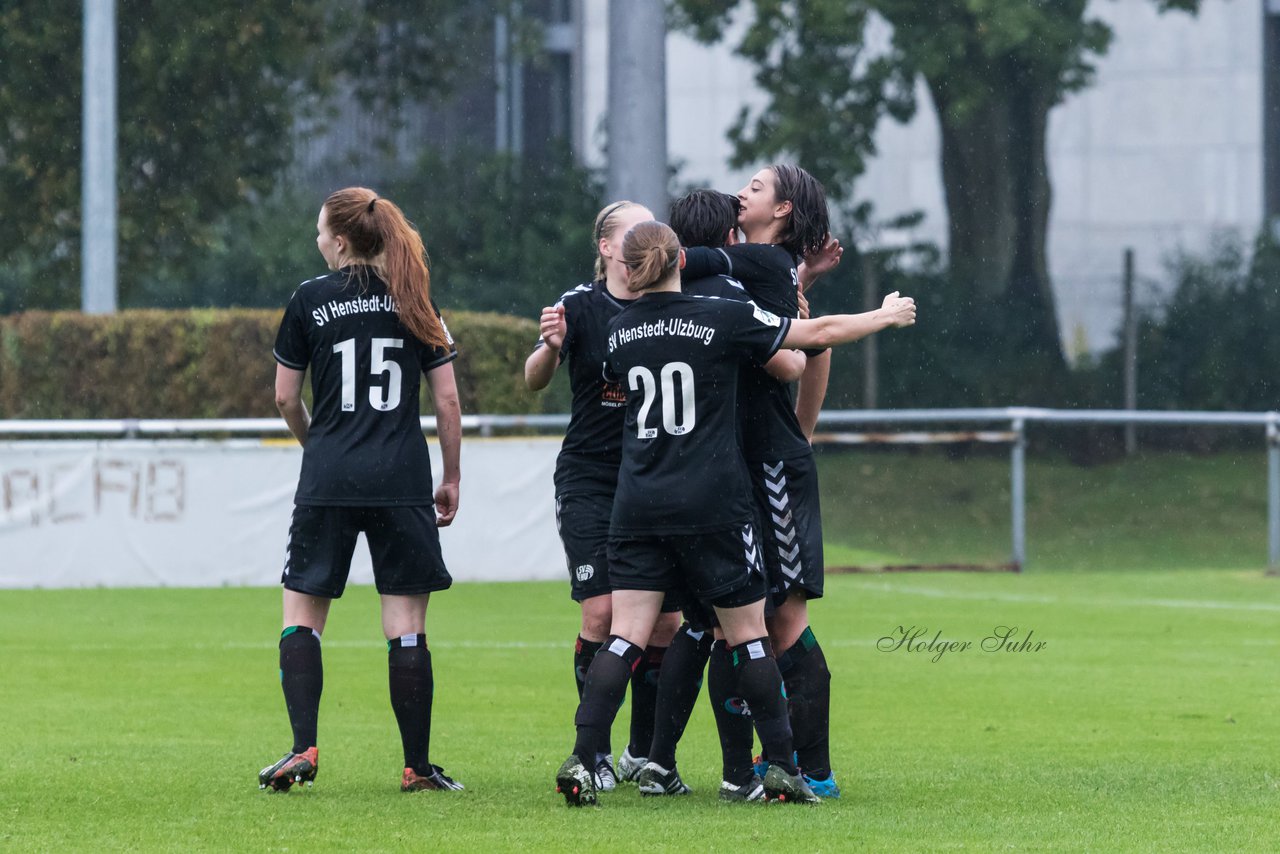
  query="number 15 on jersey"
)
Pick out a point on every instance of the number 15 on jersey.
point(381, 398)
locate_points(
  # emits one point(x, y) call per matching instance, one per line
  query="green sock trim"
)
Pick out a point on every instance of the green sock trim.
point(807, 640)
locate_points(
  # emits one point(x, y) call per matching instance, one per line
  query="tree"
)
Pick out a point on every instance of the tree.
point(520, 237)
point(993, 68)
point(210, 96)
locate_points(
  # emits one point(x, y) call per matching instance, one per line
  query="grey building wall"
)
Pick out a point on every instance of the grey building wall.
point(1163, 151)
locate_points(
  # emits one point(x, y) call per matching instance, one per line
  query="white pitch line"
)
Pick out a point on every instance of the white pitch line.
point(1192, 604)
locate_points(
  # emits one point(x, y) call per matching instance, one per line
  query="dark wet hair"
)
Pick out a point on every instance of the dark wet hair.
point(704, 217)
point(651, 252)
point(808, 225)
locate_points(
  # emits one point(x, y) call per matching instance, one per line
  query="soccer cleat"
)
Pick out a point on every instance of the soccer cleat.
point(827, 788)
point(656, 780)
point(629, 766)
point(436, 780)
point(576, 783)
point(787, 788)
point(761, 764)
point(292, 768)
point(606, 780)
point(749, 791)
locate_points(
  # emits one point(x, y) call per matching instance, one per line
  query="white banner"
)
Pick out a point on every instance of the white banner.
point(183, 513)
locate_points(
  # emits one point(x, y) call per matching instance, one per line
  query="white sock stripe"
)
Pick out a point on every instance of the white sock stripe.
point(755, 649)
point(408, 640)
point(317, 634)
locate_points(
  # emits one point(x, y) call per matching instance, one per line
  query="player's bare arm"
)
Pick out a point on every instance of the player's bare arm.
point(786, 365)
point(812, 392)
point(444, 395)
point(541, 365)
point(895, 312)
point(289, 402)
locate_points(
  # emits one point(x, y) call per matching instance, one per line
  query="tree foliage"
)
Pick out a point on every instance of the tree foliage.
point(993, 68)
point(209, 100)
point(503, 235)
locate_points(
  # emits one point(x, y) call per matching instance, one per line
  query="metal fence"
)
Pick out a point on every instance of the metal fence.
point(1017, 418)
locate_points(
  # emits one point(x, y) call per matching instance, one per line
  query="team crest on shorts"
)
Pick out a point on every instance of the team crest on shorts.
point(585, 572)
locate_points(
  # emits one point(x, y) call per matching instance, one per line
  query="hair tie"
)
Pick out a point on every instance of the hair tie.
point(604, 218)
point(371, 204)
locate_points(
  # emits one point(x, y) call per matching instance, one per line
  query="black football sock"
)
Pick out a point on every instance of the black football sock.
point(606, 685)
point(760, 684)
point(644, 697)
point(804, 672)
point(678, 685)
point(302, 679)
point(584, 651)
point(412, 690)
point(733, 718)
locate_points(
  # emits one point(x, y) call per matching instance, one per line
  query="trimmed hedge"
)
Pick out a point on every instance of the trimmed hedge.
point(216, 363)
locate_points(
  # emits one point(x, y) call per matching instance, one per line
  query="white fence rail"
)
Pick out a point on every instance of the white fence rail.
point(1017, 419)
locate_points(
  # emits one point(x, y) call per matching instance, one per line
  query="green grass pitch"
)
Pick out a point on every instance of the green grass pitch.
point(137, 719)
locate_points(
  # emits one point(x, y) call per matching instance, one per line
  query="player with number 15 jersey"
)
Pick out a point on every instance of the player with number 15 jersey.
point(365, 378)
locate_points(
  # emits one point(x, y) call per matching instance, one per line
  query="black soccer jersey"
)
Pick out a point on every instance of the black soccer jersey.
point(768, 272)
point(677, 357)
point(365, 445)
point(592, 448)
point(770, 429)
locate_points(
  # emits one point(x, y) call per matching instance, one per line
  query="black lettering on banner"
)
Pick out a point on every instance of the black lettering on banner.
point(119, 477)
point(166, 490)
point(56, 478)
point(22, 491)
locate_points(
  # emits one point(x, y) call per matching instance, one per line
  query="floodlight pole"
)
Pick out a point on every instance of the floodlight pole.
point(98, 175)
point(637, 114)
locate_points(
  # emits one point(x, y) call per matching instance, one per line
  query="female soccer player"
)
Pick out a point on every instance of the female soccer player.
point(367, 330)
point(783, 217)
point(586, 475)
point(682, 512)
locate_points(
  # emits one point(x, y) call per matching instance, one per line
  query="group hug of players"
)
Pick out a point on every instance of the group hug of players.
point(686, 491)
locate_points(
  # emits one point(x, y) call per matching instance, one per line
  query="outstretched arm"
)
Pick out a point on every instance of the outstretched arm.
point(835, 329)
point(444, 396)
point(541, 365)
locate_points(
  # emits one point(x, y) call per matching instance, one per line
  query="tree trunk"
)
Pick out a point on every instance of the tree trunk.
point(995, 175)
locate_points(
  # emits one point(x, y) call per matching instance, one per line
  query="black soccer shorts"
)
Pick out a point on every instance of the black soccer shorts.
point(722, 568)
point(403, 542)
point(582, 518)
point(787, 500)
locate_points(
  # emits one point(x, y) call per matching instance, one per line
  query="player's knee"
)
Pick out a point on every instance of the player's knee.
point(597, 616)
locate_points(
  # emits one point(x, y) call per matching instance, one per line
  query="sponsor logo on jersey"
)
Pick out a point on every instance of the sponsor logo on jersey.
point(768, 318)
point(612, 395)
point(585, 572)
